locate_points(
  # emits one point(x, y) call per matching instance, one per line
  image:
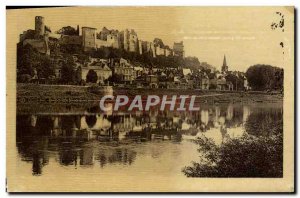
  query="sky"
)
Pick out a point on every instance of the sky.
point(243, 34)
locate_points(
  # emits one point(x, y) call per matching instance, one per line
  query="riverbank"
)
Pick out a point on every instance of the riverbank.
point(34, 93)
point(207, 96)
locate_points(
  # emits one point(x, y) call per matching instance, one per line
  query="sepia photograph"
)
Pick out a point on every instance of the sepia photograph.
point(150, 99)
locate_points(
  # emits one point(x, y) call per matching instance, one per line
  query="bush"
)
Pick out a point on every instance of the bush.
point(91, 76)
point(249, 156)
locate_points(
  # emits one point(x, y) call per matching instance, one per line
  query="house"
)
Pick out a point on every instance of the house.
point(140, 81)
point(100, 68)
point(163, 80)
point(205, 83)
point(246, 84)
point(57, 61)
point(219, 84)
point(138, 71)
point(186, 71)
point(152, 81)
point(230, 86)
point(123, 68)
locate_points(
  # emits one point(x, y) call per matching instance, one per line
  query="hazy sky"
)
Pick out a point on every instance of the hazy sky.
point(244, 34)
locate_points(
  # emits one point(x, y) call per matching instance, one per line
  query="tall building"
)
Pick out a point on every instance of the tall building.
point(178, 49)
point(108, 38)
point(37, 38)
point(39, 26)
point(130, 40)
point(224, 66)
point(88, 38)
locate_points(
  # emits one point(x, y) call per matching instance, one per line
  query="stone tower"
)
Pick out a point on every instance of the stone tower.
point(88, 38)
point(125, 40)
point(39, 26)
point(77, 30)
point(224, 66)
point(178, 49)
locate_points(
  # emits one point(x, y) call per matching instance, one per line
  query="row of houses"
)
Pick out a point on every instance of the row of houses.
point(126, 73)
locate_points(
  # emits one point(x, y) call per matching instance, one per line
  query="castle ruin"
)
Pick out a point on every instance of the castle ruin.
point(90, 39)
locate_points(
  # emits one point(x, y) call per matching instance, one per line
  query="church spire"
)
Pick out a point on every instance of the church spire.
point(224, 61)
point(224, 66)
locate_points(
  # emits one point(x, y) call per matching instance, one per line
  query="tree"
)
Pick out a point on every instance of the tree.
point(192, 62)
point(71, 49)
point(265, 77)
point(78, 75)
point(68, 71)
point(158, 42)
point(237, 81)
point(67, 30)
point(91, 76)
point(29, 59)
point(45, 68)
point(116, 78)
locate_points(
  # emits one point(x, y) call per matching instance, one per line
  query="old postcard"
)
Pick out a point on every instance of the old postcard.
point(150, 99)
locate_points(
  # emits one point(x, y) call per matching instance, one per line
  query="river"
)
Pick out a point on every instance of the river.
point(120, 150)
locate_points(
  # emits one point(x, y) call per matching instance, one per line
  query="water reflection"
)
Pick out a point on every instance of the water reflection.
point(93, 138)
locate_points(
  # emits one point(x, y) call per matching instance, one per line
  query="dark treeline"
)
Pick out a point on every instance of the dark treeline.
point(265, 77)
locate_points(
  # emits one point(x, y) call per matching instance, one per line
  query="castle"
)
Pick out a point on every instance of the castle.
point(89, 39)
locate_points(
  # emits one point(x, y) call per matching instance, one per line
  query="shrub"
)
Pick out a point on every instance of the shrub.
point(249, 156)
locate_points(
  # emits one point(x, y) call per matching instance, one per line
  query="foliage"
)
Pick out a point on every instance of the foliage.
point(78, 75)
point(68, 71)
point(71, 49)
point(264, 123)
point(91, 76)
point(116, 78)
point(192, 62)
point(29, 59)
point(256, 154)
point(248, 156)
point(265, 77)
point(237, 81)
point(30, 34)
point(158, 42)
point(67, 30)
